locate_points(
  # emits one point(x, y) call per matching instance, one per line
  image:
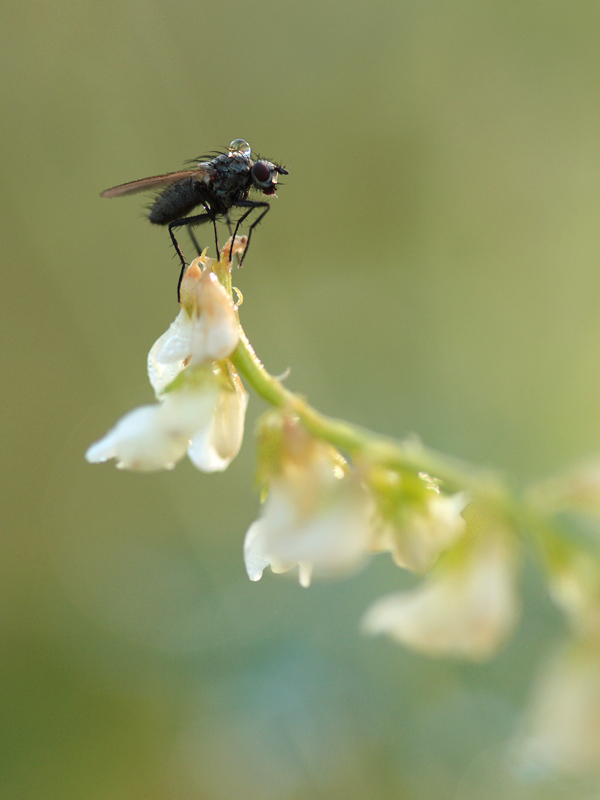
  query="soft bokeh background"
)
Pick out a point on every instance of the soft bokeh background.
point(431, 266)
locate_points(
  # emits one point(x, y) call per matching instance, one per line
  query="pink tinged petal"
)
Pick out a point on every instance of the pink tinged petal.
point(464, 610)
point(215, 328)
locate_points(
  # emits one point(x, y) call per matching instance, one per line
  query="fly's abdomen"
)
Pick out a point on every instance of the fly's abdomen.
point(176, 201)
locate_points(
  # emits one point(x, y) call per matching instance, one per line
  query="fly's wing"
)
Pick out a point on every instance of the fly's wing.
point(156, 181)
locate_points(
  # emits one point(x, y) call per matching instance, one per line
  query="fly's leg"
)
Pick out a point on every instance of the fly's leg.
point(188, 222)
point(250, 205)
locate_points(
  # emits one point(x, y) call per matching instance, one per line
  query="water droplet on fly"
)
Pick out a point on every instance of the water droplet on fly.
point(241, 147)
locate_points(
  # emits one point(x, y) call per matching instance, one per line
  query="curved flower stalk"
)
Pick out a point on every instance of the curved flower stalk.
point(467, 606)
point(202, 401)
point(335, 493)
point(317, 515)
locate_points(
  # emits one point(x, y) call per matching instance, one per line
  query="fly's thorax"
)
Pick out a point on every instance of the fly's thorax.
point(230, 181)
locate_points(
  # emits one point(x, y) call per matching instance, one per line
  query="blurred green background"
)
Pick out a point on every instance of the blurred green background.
point(431, 265)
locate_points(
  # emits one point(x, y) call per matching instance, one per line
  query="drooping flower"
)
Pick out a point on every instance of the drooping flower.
point(561, 734)
point(415, 521)
point(466, 607)
point(317, 515)
point(573, 498)
point(206, 328)
point(202, 401)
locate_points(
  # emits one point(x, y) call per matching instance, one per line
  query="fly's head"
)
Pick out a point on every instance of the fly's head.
point(264, 175)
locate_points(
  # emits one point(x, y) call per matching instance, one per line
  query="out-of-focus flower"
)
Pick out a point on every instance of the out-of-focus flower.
point(573, 502)
point(317, 515)
point(206, 328)
point(577, 488)
point(415, 521)
point(466, 607)
point(158, 436)
point(562, 729)
point(574, 585)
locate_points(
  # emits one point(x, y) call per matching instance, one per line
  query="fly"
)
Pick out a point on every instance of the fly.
point(217, 186)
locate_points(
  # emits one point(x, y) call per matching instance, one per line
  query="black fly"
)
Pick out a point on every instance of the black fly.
point(217, 185)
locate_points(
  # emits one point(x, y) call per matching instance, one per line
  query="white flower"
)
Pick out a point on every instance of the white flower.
point(158, 436)
point(426, 531)
point(203, 415)
point(562, 730)
point(206, 329)
point(202, 403)
point(466, 607)
point(316, 515)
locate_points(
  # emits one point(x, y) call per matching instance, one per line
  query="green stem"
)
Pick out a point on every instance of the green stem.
point(361, 443)
point(364, 446)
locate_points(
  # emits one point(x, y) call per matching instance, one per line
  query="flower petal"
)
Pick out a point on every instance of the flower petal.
point(215, 327)
point(213, 448)
point(426, 532)
point(562, 730)
point(138, 442)
point(157, 437)
point(167, 356)
point(254, 557)
point(464, 609)
point(330, 541)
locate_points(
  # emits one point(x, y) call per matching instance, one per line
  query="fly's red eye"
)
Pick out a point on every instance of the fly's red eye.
point(261, 172)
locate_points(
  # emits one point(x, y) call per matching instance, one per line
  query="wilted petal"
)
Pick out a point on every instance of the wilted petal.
point(562, 732)
point(466, 608)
